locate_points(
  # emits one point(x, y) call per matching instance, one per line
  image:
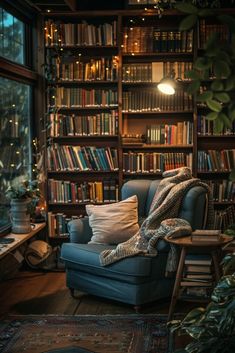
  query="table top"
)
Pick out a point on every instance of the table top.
point(187, 241)
point(19, 239)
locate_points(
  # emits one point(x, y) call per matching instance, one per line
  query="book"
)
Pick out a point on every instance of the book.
point(198, 259)
point(198, 268)
point(206, 235)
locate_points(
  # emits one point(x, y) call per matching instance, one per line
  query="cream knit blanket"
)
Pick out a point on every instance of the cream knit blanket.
point(166, 204)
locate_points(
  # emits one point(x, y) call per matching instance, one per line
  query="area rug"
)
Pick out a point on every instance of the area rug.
point(80, 334)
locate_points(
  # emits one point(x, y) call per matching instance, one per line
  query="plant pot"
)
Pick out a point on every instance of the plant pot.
point(20, 216)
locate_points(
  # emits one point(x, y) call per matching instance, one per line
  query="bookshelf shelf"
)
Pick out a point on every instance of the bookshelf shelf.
point(152, 147)
point(217, 137)
point(78, 82)
point(158, 56)
point(83, 172)
point(81, 204)
point(157, 112)
point(79, 109)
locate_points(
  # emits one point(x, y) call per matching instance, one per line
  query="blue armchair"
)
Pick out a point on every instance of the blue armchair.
point(135, 280)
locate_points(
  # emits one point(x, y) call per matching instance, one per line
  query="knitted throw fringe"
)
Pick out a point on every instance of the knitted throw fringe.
point(166, 204)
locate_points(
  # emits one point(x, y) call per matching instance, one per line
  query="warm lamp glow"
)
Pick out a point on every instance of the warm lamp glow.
point(167, 86)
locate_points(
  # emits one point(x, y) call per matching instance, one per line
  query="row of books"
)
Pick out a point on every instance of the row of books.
point(222, 190)
point(80, 97)
point(96, 69)
point(58, 224)
point(205, 30)
point(62, 191)
point(172, 134)
point(79, 34)
point(155, 71)
point(216, 161)
point(152, 162)
point(152, 100)
point(224, 218)
point(207, 127)
point(83, 125)
point(152, 39)
point(81, 158)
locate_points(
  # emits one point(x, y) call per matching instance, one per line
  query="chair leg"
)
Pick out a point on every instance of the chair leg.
point(137, 309)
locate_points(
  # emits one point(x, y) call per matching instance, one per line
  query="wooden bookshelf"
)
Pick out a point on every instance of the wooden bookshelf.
point(138, 106)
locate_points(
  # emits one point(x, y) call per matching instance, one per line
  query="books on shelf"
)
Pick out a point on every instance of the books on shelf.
point(64, 97)
point(153, 162)
point(151, 100)
point(94, 69)
point(206, 127)
point(58, 224)
point(150, 39)
point(155, 71)
point(64, 191)
point(205, 30)
point(100, 124)
point(216, 160)
point(206, 235)
point(222, 190)
point(80, 34)
point(224, 218)
point(180, 133)
point(81, 158)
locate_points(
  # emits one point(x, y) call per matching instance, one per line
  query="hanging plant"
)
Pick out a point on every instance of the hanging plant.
point(213, 73)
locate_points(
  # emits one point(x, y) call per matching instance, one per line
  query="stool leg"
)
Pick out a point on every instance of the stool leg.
point(214, 255)
point(177, 283)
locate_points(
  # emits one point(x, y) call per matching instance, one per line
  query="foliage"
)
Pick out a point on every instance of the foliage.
point(23, 190)
point(215, 92)
point(212, 328)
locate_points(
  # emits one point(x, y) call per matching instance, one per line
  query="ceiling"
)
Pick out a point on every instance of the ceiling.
point(75, 5)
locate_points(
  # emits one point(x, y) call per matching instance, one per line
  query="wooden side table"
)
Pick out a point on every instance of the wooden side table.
point(186, 244)
point(19, 239)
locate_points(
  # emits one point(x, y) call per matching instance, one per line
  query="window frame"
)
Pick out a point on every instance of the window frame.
point(23, 73)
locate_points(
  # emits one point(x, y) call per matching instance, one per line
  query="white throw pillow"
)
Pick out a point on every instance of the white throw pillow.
point(113, 223)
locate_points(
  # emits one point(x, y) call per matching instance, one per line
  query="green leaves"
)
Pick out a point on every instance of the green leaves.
point(203, 97)
point(202, 63)
point(217, 85)
point(214, 105)
point(188, 23)
point(186, 7)
point(212, 116)
point(222, 69)
point(193, 87)
point(222, 97)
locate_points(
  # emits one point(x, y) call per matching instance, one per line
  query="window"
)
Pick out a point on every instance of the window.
point(15, 157)
point(12, 37)
point(16, 92)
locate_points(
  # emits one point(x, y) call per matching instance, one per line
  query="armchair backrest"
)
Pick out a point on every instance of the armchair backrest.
point(193, 206)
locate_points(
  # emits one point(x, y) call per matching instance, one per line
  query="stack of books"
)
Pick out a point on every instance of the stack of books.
point(198, 280)
point(206, 235)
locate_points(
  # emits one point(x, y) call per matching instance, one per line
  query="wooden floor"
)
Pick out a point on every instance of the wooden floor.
point(34, 292)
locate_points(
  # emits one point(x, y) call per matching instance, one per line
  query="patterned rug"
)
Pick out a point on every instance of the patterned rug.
point(89, 333)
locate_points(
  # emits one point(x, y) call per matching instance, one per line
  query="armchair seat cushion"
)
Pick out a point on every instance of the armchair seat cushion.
point(136, 269)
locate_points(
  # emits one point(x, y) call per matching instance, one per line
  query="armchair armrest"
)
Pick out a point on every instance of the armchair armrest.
point(80, 231)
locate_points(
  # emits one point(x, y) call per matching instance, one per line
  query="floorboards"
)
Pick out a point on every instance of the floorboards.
point(35, 292)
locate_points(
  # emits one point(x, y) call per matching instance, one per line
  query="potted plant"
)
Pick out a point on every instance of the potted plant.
point(212, 329)
point(23, 196)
